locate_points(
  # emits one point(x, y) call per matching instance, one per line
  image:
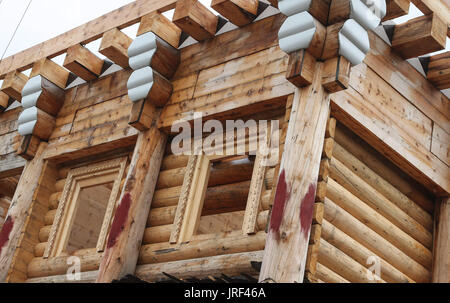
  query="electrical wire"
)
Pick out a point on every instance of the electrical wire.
point(17, 27)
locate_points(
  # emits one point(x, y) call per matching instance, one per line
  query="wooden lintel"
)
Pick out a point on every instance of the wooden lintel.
point(83, 63)
point(142, 115)
point(195, 19)
point(162, 27)
point(51, 71)
point(336, 74)
point(438, 71)
point(419, 36)
point(114, 46)
point(13, 84)
point(396, 8)
point(238, 12)
point(301, 68)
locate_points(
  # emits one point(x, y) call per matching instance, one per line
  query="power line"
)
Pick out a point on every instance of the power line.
point(17, 27)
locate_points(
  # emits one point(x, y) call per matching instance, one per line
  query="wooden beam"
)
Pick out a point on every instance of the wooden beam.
point(5, 101)
point(114, 46)
point(396, 8)
point(238, 12)
point(18, 213)
point(195, 19)
point(50, 99)
point(419, 36)
point(336, 74)
point(162, 27)
point(127, 230)
point(122, 17)
point(287, 242)
point(142, 114)
point(441, 256)
point(28, 147)
point(80, 61)
point(301, 68)
point(13, 84)
point(438, 70)
point(51, 71)
point(441, 8)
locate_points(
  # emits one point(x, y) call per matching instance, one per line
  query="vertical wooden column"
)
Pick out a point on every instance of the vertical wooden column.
point(289, 231)
point(18, 213)
point(127, 230)
point(441, 258)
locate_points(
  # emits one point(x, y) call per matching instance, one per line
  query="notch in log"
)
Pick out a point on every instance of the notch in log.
point(162, 27)
point(301, 68)
point(238, 12)
point(336, 74)
point(419, 36)
point(53, 72)
point(13, 84)
point(83, 63)
point(195, 19)
point(114, 46)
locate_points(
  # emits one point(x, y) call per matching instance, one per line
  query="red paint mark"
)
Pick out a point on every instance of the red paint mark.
point(119, 220)
point(307, 210)
point(6, 231)
point(281, 197)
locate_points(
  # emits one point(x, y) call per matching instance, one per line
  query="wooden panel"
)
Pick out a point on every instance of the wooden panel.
point(440, 145)
point(91, 31)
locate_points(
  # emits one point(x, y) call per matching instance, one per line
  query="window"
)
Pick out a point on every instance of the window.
point(86, 208)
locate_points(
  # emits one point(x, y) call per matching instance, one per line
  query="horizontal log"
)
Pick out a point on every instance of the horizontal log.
point(383, 186)
point(85, 277)
point(374, 242)
point(362, 151)
point(160, 234)
point(342, 264)
point(230, 265)
point(83, 63)
point(221, 244)
point(50, 217)
point(173, 161)
point(359, 253)
point(40, 267)
point(59, 185)
point(327, 275)
point(114, 46)
point(350, 186)
point(44, 233)
point(221, 173)
point(54, 200)
point(39, 249)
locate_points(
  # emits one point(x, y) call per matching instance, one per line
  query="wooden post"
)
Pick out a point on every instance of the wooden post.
point(289, 231)
point(128, 226)
point(18, 213)
point(441, 259)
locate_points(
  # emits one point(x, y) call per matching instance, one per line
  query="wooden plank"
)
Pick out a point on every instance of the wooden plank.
point(287, 241)
point(441, 260)
point(440, 144)
point(128, 226)
point(23, 197)
point(419, 36)
point(115, 45)
point(195, 19)
point(122, 17)
point(238, 12)
point(83, 63)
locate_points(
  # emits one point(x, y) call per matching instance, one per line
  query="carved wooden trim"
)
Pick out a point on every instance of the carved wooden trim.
point(64, 216)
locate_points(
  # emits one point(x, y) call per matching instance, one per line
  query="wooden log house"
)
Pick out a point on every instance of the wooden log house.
point(89, 179)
